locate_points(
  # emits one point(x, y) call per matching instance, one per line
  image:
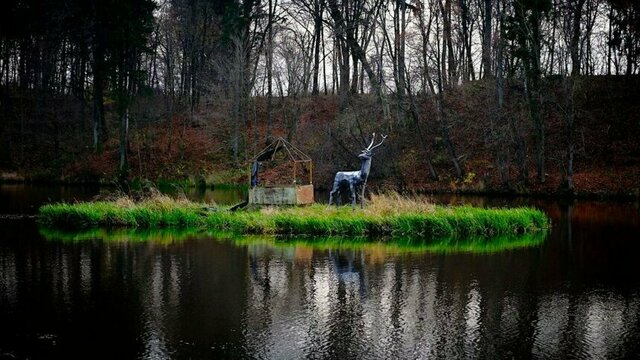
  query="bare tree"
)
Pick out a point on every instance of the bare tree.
point(486, 37)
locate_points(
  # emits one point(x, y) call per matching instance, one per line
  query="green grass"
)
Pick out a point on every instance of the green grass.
point(385, 216)
point(160, 211)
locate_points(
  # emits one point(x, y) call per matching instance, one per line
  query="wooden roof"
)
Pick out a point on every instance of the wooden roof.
point(280, 144)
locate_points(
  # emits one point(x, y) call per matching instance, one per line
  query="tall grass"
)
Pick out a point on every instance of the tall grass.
point(155, 211)
point(393, 203)
point(386, 215)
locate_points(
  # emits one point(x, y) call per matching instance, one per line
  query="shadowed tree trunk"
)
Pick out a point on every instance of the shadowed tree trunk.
point(99, 125)
point(486, 39)
point(526, 21)
point(269, 48)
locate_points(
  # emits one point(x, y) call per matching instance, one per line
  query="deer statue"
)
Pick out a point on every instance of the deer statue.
point(355, 178)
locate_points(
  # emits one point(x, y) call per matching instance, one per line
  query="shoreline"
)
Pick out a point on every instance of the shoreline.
point(431, 190)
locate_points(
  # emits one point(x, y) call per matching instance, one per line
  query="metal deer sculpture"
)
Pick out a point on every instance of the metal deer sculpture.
point(355, 178)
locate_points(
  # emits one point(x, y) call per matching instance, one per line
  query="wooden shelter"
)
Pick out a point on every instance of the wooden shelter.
point(281, 174)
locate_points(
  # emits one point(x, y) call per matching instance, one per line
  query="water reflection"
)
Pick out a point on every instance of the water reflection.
point(200, 297)
point(119, 299)
point(338, 304)
point(375, 249)
point(164, 295)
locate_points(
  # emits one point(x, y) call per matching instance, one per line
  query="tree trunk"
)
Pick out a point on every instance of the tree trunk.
point(270, 71)
point(417, 121)
point(123, 167)
point(574, 43)
point(530, 41)
point(469, 72)
point(353, 44)
point(99, 128)
point(448, 43)
point(99, 124)
point(486, 40)
point(446, 138)
point(570, 114)
point(498, 141)
point(317, 31)
point(399, 24)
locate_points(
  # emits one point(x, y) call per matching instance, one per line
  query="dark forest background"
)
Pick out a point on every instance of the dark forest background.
point(476, 95)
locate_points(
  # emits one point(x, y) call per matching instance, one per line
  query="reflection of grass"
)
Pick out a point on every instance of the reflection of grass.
point(158, 236)
point(385, 216)
point(477, 245)
point(405, 244)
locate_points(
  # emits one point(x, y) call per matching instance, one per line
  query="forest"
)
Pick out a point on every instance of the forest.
point(525, 96)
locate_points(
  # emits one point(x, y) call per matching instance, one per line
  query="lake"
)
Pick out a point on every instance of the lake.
point(182, 295)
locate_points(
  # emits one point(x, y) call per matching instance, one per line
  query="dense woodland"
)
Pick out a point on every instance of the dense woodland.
point(476, 95)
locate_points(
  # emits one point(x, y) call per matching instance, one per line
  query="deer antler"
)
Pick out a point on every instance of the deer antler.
point(380, 143)
point(373, 138)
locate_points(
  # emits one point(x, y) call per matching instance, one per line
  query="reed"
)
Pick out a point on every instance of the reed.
point(386, 215)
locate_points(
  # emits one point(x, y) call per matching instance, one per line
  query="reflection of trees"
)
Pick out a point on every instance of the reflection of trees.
point(432, 305)
point(566, 298)
point(124, 300)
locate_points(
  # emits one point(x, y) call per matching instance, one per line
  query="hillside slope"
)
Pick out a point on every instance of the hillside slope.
point(49, 139)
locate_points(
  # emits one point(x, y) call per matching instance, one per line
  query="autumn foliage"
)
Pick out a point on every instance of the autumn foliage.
point(53, 143)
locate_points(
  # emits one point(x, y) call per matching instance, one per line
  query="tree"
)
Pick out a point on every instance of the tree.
point(344, 31)
point(524, 29)
point(126, 28)
point(486, 38)
point(625, 32)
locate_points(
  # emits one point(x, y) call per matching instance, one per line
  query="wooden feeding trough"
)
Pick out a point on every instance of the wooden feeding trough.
point(281, 174)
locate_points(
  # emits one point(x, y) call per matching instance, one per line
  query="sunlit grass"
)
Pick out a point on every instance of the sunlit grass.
point(393, 203)
point(385, 215)
point(155, 211)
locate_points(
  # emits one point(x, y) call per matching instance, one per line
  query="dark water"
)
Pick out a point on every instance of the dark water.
point(192, 296)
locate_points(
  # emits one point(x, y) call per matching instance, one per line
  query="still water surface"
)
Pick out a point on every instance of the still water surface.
point(576, 295)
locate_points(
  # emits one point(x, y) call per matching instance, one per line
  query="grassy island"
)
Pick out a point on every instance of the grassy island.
point(385, 215)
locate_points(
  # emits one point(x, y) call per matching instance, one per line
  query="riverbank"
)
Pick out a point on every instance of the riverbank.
point(415, 157)
point(188, 186)
point(385, 215)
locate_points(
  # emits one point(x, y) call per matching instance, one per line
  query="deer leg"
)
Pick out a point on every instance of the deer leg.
point(352, 187)
point(333, 191)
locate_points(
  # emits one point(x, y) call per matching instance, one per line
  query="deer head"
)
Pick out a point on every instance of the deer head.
point(368, 151)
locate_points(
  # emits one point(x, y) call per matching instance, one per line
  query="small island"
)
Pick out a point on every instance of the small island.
point(385, 215)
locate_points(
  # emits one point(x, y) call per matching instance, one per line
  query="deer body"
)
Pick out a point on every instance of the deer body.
point(355, 178)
